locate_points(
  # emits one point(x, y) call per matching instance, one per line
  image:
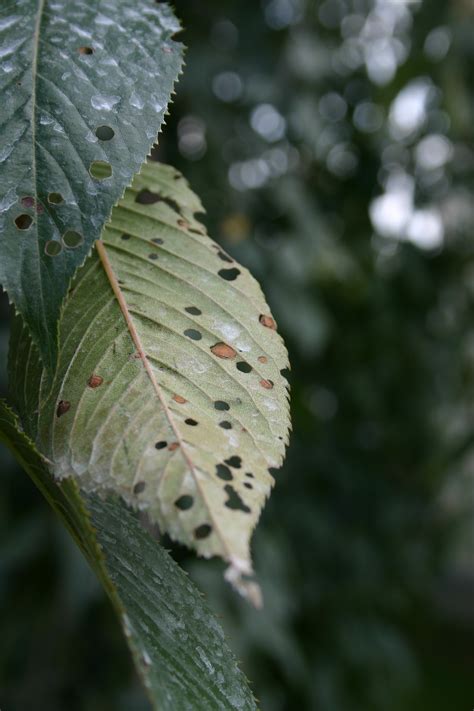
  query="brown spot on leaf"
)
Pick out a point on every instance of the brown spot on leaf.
point(179, 398)
point(85, 50)
point(222, 350)
point(95, 381)
point(28, 201)
point(173, 446)
point(262, 359)
point(267, 321)
point(63, 407)
point(183, 223)
point(267, 384)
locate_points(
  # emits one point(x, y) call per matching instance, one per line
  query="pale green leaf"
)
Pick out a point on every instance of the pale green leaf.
point(169, 388)
point(177, 646)
point(80, 82)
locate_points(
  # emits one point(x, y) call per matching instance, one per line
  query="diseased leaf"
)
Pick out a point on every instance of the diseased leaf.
point(169, 388)
point(178, 647)
point(84, 87)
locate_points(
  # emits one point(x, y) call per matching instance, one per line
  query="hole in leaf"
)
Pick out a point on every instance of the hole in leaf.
point(192, 423)
point(100, 169)
point(202, 531)
point(193, 310)
point(95, 381)
point(267, 321)
point(267, 384)
point(229, 274)
point(139, 487)
point(157, 240)
point(55, 198)
point(104, 133)
point(225, 257)
point(285, 372)
point(235, 462)
point(23, 222)
point(85, 50)
point(125, 236)
point(180, 399)
point(221, 405)
point(224, 472)
point(184, 502)
point(248, 485)
point(193, 334)
point(243, 367)
point(72, 239)
point(153, 256)
point(222, 350)
point(235, 501)
point(53, 248)
point(161, 445)
point(225, 424)
point(63, 407)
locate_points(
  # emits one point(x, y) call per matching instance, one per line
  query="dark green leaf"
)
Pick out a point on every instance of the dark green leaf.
point(84, 90)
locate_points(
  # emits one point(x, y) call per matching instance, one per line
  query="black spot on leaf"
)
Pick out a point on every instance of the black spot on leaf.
point(225, 257)
point(193, 310)
point(235, 462)
point(244, 367)
point(189, 421)
point(234, 501)
point(224, 472)
point(139, 487)
point(229, 274)
point(184, 502)
point(202, 531)
point(221, 405)
point(146, 197)
point(225, 424)
point(193, 334)
point(63, 407)
point(161, 445)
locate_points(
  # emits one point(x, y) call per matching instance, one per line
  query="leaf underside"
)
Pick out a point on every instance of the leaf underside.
point(178, 647)
point(168, 389)
point(84, 87)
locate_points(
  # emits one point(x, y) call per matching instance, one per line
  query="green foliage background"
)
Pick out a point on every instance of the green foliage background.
point(365, 549)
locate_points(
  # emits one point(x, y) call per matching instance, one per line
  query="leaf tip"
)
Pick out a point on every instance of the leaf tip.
point(238, 574)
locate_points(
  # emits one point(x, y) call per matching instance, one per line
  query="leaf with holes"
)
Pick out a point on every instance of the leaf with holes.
point(178, 647)
point(84, 89)
point(169, 388)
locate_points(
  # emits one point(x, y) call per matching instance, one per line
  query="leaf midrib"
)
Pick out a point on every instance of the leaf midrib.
point(102, 252)
point(34, 74)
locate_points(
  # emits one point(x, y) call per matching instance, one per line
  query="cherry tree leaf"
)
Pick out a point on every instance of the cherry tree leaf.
point(169, 387)
point(84, 88)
